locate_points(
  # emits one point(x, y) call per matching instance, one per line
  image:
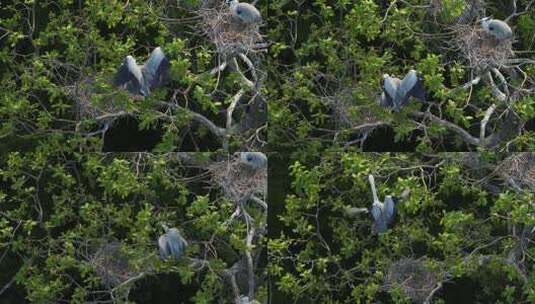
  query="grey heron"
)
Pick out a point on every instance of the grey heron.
point(496, 28)
point(383, 213)
point(245, 12)
point(397, 92)
point(141, 79)
point(255, 160)
point(172, 244)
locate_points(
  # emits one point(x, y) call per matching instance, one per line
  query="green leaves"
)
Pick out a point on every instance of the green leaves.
point(363, 20)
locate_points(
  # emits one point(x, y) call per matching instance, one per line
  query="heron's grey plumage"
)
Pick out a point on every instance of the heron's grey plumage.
point(255, 160)
point(382, 213)
point(497, 28)
point(141, 79)
point(245, 12)
point(397, 92)
point(172, 244)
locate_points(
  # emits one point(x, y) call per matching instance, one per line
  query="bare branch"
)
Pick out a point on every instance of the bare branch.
point(485, 121)
point(450, 126)
point(495, 90)
point(432, 293)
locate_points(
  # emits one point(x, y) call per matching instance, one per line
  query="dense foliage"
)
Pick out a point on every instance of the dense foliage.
point(84, 228)
point(78, 225)
point(57, 63)
point(328, 59)
point(462, 235)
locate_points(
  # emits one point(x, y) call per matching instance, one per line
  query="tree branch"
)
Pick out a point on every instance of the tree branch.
point(485, 121)
point(448, 125)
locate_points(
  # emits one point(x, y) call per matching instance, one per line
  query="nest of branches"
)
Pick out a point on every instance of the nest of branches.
point(81, 92)
point(238, 180)
point(346, 114)
point(482, 50)
point(519, 170)
point(413, 277)
point(230, 36)
point(111, 264)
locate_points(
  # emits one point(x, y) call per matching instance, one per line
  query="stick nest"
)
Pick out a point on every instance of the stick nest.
point(111, 264)
point(230, 36)
point(346, 114)
point(413, 277)
point(482, 50)
point(238, 180)
point(519, 170)
point(85, 108)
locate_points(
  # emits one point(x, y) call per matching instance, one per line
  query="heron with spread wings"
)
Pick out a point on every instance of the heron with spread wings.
point(396, 92)
point(141, 79)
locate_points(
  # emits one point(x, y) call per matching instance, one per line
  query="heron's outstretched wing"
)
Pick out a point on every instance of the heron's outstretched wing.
point(128, 76)
point(391, 85)
point(418, 90)
point(405, 87)
point(156, 68)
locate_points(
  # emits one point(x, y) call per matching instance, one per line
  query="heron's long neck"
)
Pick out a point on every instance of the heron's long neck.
point(372, 185)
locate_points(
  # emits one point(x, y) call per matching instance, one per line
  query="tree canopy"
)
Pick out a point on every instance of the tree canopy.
point(461, 235)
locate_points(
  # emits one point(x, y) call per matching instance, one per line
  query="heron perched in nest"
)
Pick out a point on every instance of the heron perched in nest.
point(497, 28)
point(244, 12)
point(172, 244)
point(255, 160)
point(397, 92)
point(141, 79)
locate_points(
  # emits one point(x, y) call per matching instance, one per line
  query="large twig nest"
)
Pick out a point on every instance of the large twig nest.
point(519, 170)
point(413, 277)
point(230, 36)
point(82, 92)
point(111, 264)
point(346, 114)
point(482, 50)
point(238, 180)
